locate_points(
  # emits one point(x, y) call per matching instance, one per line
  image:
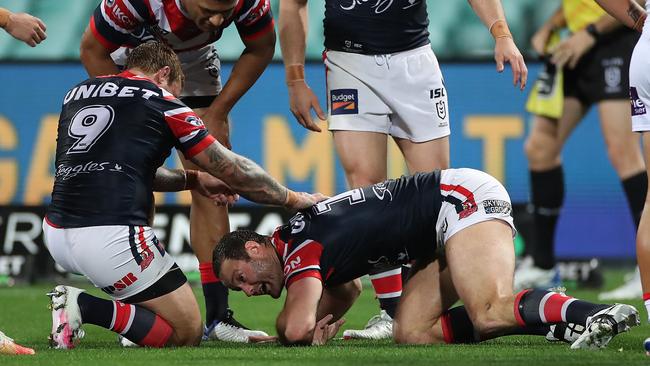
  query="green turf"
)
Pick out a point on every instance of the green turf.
point(24, 316)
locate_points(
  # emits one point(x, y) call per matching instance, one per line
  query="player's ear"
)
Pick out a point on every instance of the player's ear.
point(252, 247)
point(162, 76)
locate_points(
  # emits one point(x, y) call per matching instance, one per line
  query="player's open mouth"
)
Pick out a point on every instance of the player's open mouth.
point(263, 289)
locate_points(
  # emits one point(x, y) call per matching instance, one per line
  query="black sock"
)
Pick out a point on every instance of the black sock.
point(216, 301)
point(635, 188)
point(458, 328)
point(547, 190)
point(135, 323)
point(536, 307)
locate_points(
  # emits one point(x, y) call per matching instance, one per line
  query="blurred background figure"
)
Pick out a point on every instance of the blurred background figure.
point(23, 26)
point(587, 68)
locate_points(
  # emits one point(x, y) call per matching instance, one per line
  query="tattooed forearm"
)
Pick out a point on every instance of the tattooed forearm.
point(168, 180)
point(243, 175)
point(635, 12)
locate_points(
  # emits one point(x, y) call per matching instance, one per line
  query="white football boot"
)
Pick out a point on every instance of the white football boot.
point(66, 317)
point(379, 327)
point(230, 330)
point(631, 289)
point(605, 324)
point(527, 275)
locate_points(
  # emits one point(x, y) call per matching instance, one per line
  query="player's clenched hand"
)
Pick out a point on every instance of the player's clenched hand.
point(215, 189)
point(571, 50)
point(302, 200)
point(26, 28)
point(301, 101)
point(325, 331)
point(505, 50)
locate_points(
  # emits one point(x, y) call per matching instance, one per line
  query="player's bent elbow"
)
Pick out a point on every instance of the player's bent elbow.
point(297, 334)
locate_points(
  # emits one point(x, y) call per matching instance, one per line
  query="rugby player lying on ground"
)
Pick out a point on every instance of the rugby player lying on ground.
point(454, 226)
point(114, 132)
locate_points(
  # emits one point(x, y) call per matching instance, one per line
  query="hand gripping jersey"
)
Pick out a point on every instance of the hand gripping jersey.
point(118, 23)
point(342, 238)
point(376, 27)
point(114, 132)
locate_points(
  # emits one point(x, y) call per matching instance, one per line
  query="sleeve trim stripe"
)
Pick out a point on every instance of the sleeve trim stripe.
point(296, 249)
point(267, 28)
point(252, 8)
point(176, 111)
point(191, 135)
point(301, 275)
point(202, 145)
point(298, 271)
point(110, 46)
point(111, 22)
point(132, 10)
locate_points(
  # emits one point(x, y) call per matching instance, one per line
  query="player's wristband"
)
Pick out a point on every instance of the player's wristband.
point(4, 17)
point(191, 179)
point(294, 73)
point(638, 25)
point(591, 29)
point(292, 199)
point(499, 29)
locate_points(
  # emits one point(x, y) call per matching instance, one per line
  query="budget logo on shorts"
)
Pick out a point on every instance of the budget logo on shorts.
point(344, 101)
point(638, 108)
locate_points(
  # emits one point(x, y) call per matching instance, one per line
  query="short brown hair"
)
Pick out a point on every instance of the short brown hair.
point(232, 247)
point(153, 56)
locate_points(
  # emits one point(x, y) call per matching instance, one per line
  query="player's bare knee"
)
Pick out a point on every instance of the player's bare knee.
point(539, 151)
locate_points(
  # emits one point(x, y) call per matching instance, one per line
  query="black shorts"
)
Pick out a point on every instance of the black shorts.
point(172, 280)
point(203, 101)
point(603, 72)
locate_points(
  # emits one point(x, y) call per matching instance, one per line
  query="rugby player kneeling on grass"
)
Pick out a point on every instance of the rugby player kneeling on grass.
point(114, 133)
point(454, 226)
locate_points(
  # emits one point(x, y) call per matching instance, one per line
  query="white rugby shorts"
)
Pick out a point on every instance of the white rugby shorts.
point(121, 260)
point(202, 69)
point(640, 83)
point(400, 94)
point(470, 196)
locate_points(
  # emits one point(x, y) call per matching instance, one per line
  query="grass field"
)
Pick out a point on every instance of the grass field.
point(24, 316)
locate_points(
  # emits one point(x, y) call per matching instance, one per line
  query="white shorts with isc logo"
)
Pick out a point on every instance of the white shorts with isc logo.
point(120, 260)
point(640, 84)
point(400, 94)
point(470, 196)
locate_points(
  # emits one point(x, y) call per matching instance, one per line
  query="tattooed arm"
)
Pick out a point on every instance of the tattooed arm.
point(169, 180)
point(249, 179)
point(629, 12)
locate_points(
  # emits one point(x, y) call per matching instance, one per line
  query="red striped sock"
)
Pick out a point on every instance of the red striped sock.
point(646, 302)
point(140, 325)
point(388, 288)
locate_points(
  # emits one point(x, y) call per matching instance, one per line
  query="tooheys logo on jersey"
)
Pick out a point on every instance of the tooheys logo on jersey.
point(344, 101)
point(638, 108)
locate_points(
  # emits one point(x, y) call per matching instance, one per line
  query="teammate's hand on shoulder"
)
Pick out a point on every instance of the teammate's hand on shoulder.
point(26, 28)
point(302, 200)
point(301, 101)
point(570, 51)
point(505, 50)
point(214, 188)
point(324, 331)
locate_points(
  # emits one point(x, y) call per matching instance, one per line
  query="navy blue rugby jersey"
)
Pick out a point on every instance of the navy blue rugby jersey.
point(118, 23)
point(114, 132)
point(375, 26)
point(342, 238)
